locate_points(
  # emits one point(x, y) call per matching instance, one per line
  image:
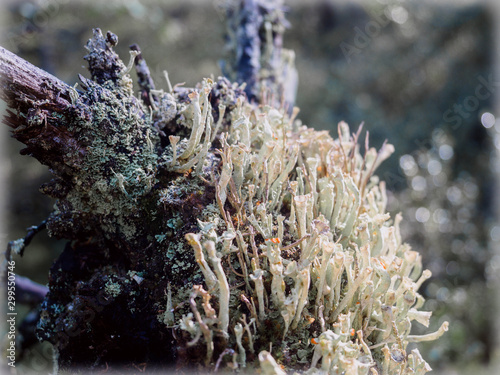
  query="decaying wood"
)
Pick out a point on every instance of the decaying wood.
point(34, 97)
point(21, 80)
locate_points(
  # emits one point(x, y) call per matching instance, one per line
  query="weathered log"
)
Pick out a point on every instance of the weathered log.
point(20, 80)
point(36, 101)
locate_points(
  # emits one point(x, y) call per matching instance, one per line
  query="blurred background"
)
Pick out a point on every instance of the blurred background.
point(418, 74)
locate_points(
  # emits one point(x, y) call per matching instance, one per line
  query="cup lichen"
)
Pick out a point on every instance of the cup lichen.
point(212, 226)
point(328, 268)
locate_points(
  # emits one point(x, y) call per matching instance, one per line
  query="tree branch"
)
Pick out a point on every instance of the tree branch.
point(39, 107)
point(254, 36)
point(22, 84)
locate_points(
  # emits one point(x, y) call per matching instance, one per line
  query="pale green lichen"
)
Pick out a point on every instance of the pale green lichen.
point(117, 168)
point(113, 289)
point(299, 229)
point(17, 246)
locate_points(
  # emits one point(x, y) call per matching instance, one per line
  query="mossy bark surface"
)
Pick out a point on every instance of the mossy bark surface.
point(116, 203)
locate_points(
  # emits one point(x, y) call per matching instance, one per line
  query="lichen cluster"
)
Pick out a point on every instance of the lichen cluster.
point(110, 158)
point(210, 232)
point(301, 256)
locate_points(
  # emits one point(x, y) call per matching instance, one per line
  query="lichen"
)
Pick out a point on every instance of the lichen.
point(307, 243)
point(230, 233)
point(113, 289)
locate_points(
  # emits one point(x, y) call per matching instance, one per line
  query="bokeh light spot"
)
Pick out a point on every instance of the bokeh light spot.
point(422, 214)
point(434, 167)
point(487, 119)
point(495, 233)
point(408, 165)
point(454, 195)
point(446, 152)
point(418, 183)
point(399, 15)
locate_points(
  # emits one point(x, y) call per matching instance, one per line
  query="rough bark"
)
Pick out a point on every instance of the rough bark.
point(254, 38)
point(34, 97)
